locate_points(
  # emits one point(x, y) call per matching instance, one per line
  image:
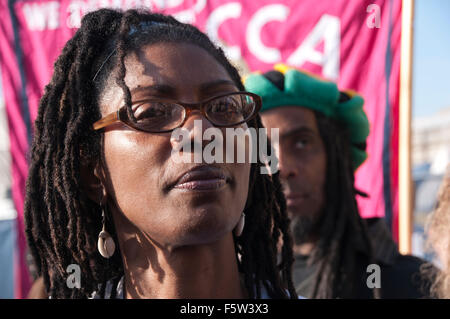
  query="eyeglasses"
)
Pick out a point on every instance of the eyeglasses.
point(161, 115)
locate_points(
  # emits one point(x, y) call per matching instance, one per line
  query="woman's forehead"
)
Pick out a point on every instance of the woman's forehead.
point(175, 69)
point(176, 65)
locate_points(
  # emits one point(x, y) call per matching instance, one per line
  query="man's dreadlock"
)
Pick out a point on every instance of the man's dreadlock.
point(343, 233)
point(62, 223)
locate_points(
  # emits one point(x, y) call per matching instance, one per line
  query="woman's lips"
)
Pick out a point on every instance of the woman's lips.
point(202, 178)
point(210, 184)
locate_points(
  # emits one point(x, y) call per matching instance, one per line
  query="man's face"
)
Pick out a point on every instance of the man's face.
point(302, 164)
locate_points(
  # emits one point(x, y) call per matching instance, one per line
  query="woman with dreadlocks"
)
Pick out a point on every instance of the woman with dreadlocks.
point(104, 193)
point(322, 135)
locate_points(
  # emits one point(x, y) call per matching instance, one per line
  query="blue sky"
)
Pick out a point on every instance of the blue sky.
point(431, 64)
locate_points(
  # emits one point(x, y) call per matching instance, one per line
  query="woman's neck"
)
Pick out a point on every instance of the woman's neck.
point(197, 271)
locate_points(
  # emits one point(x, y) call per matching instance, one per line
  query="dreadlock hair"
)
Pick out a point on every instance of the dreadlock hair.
point(342, 232)
point(62, 223)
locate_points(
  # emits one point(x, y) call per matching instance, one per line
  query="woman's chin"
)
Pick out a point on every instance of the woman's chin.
point(202, 226)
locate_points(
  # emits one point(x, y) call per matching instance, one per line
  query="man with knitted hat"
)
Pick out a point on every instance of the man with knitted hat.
point(322, 141)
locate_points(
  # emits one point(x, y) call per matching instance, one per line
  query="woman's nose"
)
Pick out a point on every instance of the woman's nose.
point(196, 121)
point(191, 132)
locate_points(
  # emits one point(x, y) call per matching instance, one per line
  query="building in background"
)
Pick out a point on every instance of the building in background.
point(430, 157)
point(431, 140)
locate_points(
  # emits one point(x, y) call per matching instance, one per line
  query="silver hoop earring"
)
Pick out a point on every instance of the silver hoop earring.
point(240, 226)
point(105, 244)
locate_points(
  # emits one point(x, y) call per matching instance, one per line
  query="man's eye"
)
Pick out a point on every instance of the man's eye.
point(300, 144)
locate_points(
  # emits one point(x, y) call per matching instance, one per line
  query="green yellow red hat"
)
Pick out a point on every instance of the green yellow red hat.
point(307, 90)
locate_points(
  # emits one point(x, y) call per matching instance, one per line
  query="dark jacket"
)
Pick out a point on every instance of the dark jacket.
point(400, 274)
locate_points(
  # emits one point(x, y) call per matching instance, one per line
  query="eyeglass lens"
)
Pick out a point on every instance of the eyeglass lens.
point(163, 116)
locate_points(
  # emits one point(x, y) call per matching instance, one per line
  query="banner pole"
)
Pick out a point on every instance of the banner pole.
point(405, 181)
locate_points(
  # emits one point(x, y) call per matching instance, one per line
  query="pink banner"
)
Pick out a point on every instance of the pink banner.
point(356, 43)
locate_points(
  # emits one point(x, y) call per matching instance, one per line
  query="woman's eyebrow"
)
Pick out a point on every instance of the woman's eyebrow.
point(170, 90)
point(154, 88)
point(214, 84)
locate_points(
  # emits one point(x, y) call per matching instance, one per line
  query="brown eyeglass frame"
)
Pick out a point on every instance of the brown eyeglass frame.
point(121, 114)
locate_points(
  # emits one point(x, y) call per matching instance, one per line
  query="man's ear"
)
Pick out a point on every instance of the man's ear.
point(92, 181)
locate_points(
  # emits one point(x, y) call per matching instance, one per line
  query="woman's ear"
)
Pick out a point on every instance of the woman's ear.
point(92, 181)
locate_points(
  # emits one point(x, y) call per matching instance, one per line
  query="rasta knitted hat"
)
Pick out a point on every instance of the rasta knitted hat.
point(287, 86)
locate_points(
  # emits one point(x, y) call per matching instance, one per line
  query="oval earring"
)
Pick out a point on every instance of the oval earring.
point(105, 244)
point(240, 226)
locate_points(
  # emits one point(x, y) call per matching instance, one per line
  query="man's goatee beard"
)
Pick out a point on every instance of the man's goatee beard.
point(302, 227)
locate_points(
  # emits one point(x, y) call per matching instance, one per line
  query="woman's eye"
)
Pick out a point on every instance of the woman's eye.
point(222, 107)
point(150, 110)
point(226, 106)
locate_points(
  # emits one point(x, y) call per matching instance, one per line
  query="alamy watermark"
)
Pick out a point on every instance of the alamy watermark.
point(373, 20)
point(374, 279)
point(241, 146)
point(74, 278)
